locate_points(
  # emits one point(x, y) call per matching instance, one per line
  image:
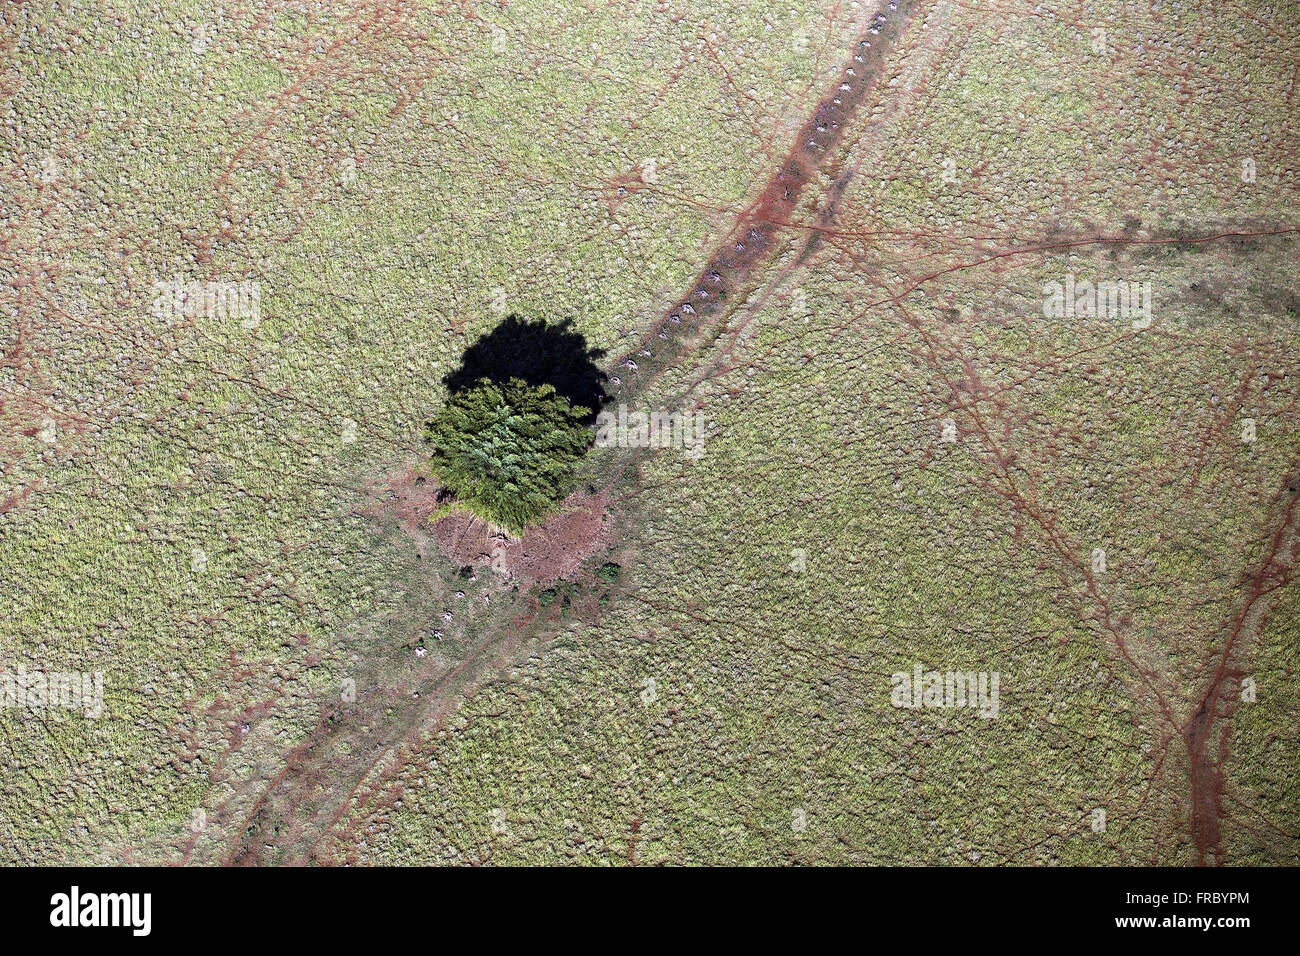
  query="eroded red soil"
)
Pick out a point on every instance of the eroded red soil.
point(550, 552)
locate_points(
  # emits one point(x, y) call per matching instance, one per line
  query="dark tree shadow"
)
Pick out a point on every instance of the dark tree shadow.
point(540, 353)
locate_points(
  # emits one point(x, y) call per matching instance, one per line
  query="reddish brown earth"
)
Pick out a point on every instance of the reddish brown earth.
point(550, 552)
point(750, 241)
point(406, 498)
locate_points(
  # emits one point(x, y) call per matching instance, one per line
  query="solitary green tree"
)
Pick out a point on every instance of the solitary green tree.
point(507, 452)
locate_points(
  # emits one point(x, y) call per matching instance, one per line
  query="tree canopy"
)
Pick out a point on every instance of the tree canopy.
point(507, 451)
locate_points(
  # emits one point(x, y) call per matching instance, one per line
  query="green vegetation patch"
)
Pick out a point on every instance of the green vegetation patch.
point(507, 452)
